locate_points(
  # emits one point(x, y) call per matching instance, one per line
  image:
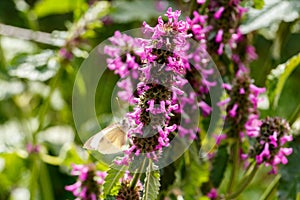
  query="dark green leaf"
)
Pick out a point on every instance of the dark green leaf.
point(195, 173)
point(152, 185)
point(110, 198)
point(112, 183)
point(278, 77)
point(289, 184)
point(219, 166)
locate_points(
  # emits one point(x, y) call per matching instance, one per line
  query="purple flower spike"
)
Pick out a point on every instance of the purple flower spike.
point(89, 182)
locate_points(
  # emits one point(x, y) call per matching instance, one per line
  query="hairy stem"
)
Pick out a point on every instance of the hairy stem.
point(270, 188)
point(138, 173)
point(235, 165)
point(243, 185)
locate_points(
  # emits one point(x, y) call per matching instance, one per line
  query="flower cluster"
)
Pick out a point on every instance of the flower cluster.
point(127, 191)
point(269, 148)
point(220, 13)
point(88, 184)
point(162, 96)
point(242, 112)
point(218, 30)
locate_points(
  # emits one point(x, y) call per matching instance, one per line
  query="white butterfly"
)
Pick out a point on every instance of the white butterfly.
point(109, 140)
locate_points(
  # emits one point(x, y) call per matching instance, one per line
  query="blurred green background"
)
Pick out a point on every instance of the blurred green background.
point(36, 83)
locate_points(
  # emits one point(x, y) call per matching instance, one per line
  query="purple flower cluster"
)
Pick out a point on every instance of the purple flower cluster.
point(242, 112)
point(218, 29)
point(128, 192)
point(156, 67)
point(270, 142)
point(88, 184)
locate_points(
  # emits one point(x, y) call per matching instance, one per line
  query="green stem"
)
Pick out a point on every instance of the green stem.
point(34, 177)
point(45, 183)
point(45, 106)
point(235, 166)
point(295, 115)
point(138, 174)
point(193, 7)
point(244, 184)
point(270, 188)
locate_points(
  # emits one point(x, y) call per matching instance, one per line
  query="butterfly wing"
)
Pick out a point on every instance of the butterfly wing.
point(108, 141)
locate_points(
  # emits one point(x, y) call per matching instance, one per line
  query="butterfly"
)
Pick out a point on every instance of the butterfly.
point(109, 140)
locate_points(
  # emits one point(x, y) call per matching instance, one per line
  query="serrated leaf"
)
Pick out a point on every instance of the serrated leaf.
point(112, 179)
point(219, 166)
point(274, 11)
point(152, 184)
point(289, 184)
point(278, 77)
point(259, 4)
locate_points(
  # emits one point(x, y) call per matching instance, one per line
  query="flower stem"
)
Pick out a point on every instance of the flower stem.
point(270, 188)
point(244, 183)
point(235, 165)
point(138, 174)
point(45, 106)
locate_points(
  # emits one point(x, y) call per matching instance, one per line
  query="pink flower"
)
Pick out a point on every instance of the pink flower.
point(232, 112)
point(273, 139)
point(212, 193)
point(264, 154)
point(201, 1)
point(220, 49)
point(206, 109)
point(219, 138)
point(219, 36)
point(219, 12)
point(286, 138)
point(88, 183)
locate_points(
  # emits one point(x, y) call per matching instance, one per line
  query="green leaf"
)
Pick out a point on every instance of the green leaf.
point(38, 67)
point(112, 183)
point(50, 7)
point(14, 166)
point(152, 184)
point(259, 4)
point(45, 183)
point(126, 11)
point(68, 155)
point(278, 77)
point(273, 12)
point(289, 184)
point(195, 173)
point(219, 166)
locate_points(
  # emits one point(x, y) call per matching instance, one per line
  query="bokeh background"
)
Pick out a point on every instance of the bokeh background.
point(42, 45)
